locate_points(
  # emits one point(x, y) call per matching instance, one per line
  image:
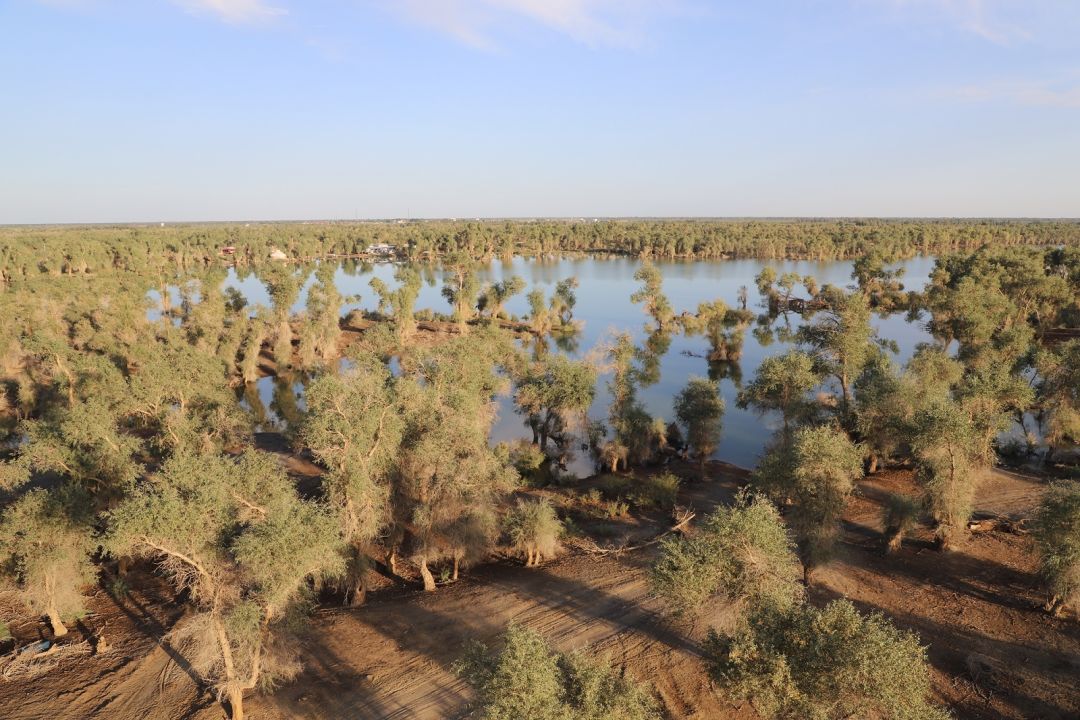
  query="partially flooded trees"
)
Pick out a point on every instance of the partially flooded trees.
point(741, 551)
point(833, 663)
point(633, 428)
point(535, 530)
point(816, 473)
point(526, 680)
point(552, 393)
point(496, 295)
point(841, 341)
point(1057, 531)
point(400, 302)
point(700, 410)
point(321, 330)
point(651, 294)
point(235, 536)
point(46, 538)
point(781, 384)
point(461, 287)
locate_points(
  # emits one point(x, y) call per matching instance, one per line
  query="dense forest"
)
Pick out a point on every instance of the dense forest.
point(129, 451)
point(28, 251)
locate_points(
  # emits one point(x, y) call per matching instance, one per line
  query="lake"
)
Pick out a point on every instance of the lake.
point(603, 308)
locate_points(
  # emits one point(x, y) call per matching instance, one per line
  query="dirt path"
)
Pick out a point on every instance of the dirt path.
point(994, 653)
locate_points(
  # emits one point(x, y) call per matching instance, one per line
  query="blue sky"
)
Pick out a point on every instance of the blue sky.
point(147, 110)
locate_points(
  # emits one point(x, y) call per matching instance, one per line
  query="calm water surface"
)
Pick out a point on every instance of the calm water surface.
point(604, 307)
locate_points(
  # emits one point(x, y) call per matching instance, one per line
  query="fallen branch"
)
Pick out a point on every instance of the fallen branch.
point(682, 518)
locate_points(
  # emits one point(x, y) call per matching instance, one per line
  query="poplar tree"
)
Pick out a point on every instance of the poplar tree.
point(235, 537)
point(700, 410)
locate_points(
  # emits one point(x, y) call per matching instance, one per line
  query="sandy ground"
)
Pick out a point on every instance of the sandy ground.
point(993, 652)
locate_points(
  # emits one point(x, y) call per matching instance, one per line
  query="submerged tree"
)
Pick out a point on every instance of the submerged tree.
point(234, 536)
point(841, 341)
point(652, 295)
point(497, 294)
point(46, 538)
point(400, 302)
point(782, 383)
point(461, 288)
point(552, 393)
point(700, 409)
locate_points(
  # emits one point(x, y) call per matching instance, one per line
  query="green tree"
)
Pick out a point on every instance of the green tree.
point(841, 340)
point(233, 535)
point(815, 473)
point(46, 538)
point(552, 393)
point(804, 663)
point(497, 294)
point(353, 426)
point(400, 302)
point(525, 680)
point(741, 551)
point(781, 384)
point(535, 530)
point(700, 409)
point(652, 295)
point(1057, 532)
point(949, 452)
point(1059, 393)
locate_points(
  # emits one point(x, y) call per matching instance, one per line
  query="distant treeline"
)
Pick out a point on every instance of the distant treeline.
point(26, 252)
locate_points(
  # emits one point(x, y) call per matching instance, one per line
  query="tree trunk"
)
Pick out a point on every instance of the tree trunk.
point(58, 627)
point(456, 563)
point(896, 540)
point(873, 464)
point(807, 574)
point(236, 703)
point(529, 558)
point(703, 466)
point(429, 579)
point(391, 561)
point(358, 592)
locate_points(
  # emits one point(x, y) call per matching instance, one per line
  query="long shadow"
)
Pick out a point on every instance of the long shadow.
point(156, 631)
point(955, 571)
point(950, 646)
point(441, 638)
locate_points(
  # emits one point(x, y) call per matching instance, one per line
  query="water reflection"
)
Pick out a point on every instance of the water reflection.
point(603, 308)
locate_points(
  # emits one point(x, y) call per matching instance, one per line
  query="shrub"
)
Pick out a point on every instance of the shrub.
point(805, 663)
point(1057, 532)
point(527, 681)
point(660, 490)
point(535, 530)
point(742, 551)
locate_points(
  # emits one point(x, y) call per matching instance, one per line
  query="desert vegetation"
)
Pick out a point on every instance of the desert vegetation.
point(136, 450)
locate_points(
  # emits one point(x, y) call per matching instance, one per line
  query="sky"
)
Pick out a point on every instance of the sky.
point(187, 110)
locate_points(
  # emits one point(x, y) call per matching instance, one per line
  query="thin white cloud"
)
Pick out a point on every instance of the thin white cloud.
point(238, 12)
point(1018, 92)
point(993, 20)
point(594, 22)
